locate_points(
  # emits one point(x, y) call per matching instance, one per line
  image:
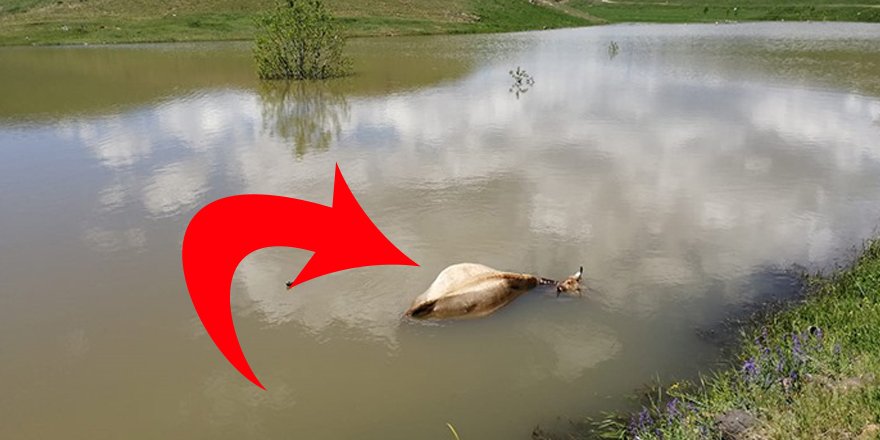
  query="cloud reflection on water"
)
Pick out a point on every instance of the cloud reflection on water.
point(664, 171)
point(682, 173)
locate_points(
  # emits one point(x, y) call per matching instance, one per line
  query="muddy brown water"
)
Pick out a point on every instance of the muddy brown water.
point(686, 172)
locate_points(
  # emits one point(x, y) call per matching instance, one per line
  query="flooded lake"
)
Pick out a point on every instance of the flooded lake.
point(687, 171)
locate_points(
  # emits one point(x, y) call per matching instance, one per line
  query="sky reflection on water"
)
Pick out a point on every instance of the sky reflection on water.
point(686, 174)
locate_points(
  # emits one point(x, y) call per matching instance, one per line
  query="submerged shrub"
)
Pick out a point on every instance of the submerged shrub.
point(299, 40)
point(522, 81)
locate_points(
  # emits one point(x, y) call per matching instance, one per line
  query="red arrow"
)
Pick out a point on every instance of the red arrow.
point(225, 231)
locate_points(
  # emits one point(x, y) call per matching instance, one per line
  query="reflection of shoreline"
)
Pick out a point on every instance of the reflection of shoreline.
point(306, 114)
point(36, 82)
point(55, 83)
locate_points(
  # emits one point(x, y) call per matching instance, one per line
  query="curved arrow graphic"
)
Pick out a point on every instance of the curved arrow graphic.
point(225, 231)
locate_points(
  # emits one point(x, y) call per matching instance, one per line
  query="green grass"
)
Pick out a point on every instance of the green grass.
point(503, 15)
point(41, 22)
point(101, 30)
point(24, 22)
point(694, 11)
point(807, 371)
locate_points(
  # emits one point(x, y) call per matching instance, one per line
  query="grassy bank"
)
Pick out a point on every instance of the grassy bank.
point(25, 22)
point(807, 371)
point(703, 11)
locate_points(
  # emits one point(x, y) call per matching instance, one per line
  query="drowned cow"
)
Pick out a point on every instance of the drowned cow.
point(469, 290)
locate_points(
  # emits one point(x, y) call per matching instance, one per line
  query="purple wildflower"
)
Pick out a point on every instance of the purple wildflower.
point(749, 368)
point(796, 348)
point(836, 349)
point(639, 422)
point(672, 408)
point(633, 427)
point(761, 339)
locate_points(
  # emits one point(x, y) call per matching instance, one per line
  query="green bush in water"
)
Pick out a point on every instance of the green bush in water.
point(299, 40)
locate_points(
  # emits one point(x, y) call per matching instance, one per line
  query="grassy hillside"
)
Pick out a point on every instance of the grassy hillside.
point(686, 11)
point(113, 21)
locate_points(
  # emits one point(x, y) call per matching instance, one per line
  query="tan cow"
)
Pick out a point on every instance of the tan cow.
point(470, 290)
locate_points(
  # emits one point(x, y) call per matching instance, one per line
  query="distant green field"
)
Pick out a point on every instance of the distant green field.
point(686, 11)
point(24, 22)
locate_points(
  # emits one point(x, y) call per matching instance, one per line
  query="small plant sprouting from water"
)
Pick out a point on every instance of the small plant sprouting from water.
point(613, 49)
point(522, 81)
point(454, 432)
point(299, 40)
